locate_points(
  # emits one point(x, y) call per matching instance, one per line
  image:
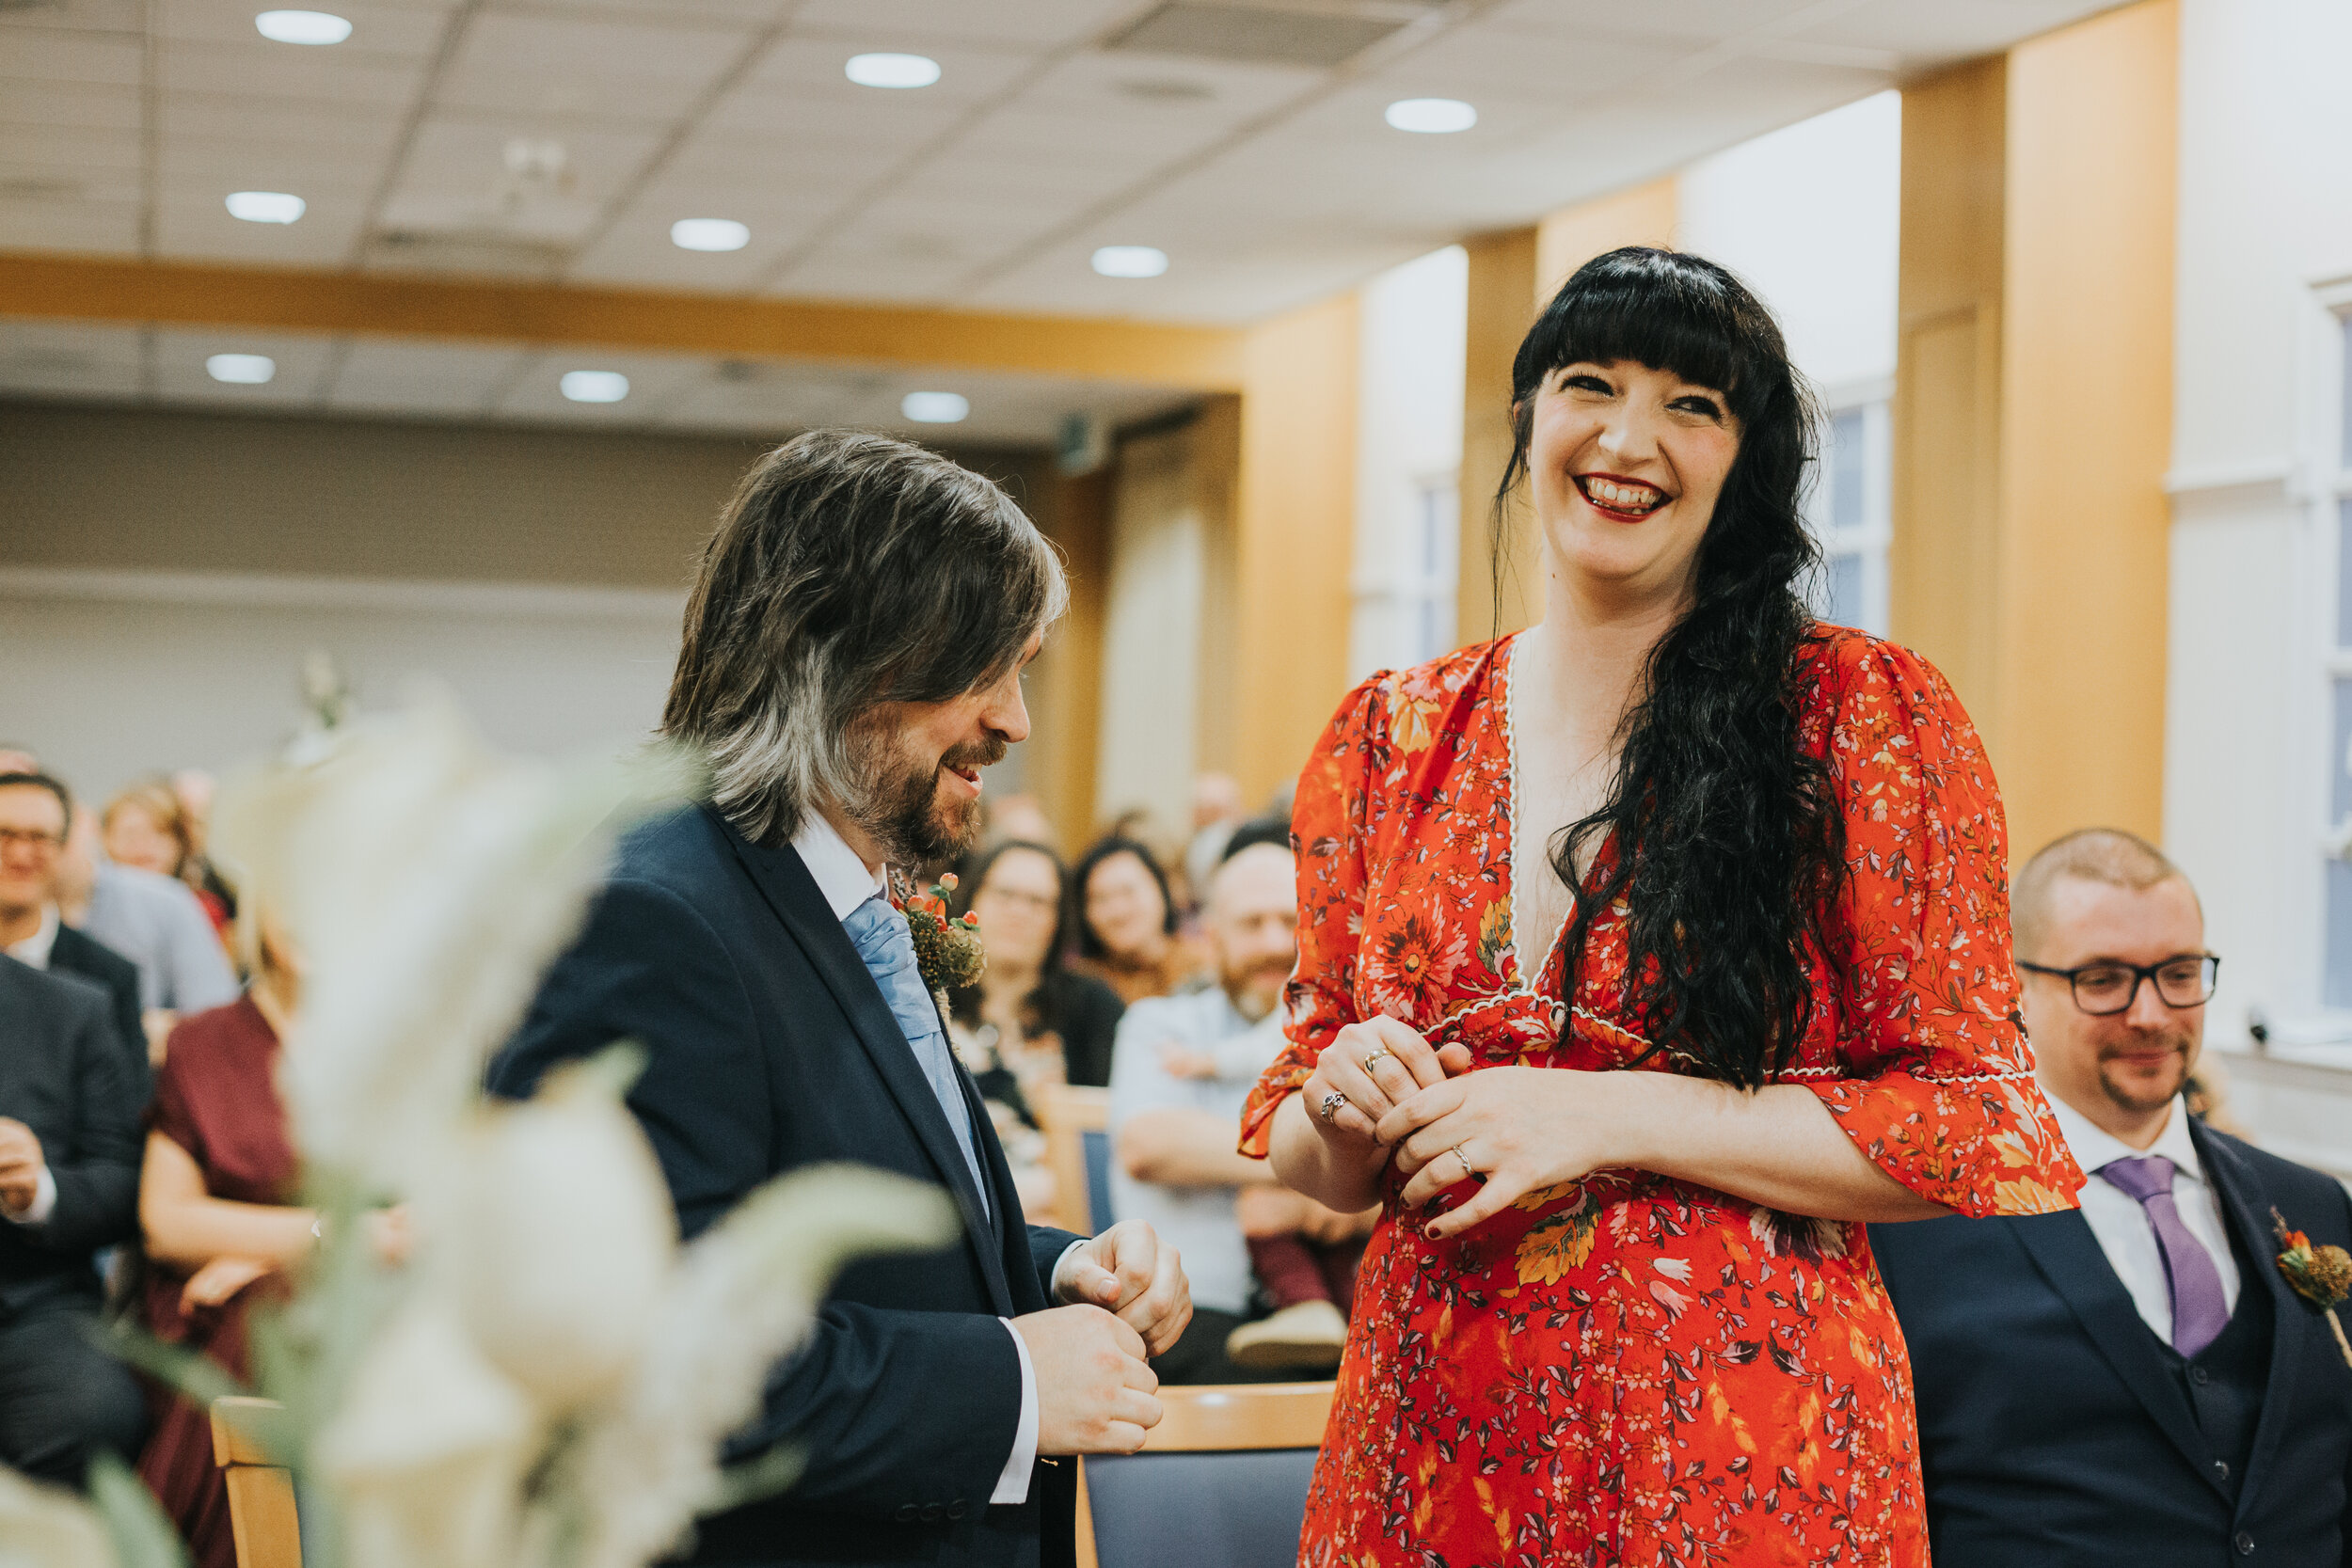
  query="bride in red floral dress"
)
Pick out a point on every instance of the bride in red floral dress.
point(1645, 957)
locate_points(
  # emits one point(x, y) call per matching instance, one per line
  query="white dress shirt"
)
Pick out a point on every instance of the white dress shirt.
point(846, 882)
point(34, 951)
point(2121, 1225)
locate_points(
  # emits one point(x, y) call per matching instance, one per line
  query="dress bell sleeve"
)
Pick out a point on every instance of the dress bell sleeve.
point(1936, 1081)
point(1328, 820)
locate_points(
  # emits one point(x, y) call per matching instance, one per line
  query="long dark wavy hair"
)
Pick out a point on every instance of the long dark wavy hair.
point(1729, 844)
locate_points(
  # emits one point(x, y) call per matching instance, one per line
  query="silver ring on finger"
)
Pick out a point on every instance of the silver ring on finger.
point(1469, 1172)
point(1331, 1106)
point(1374, 1057)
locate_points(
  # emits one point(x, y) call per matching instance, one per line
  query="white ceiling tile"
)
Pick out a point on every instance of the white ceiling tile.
point(814, 66)
point(259, 69)
point(913, 24)
point(311, 129)
point(79, 106)
point(199, 227)
point(1691, 20)
point(463, 158)
point(93, 227)
point(743, 14)
point(81, 151)
point(640, 254)
point(652, 379)
point(82, 16)
point(586, 67)
point(180, 376)
point(1482, 64)
point(1922, 36)
point(57, 55)
point(395, 376)
point(378, 27)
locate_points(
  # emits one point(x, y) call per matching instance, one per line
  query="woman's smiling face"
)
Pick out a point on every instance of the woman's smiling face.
point(1626, 463)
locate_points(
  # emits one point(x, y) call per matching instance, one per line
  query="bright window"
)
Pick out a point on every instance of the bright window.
point(2336, 977)
point(1851, 513)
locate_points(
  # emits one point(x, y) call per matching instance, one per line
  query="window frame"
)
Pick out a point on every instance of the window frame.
point(1873, 399)
point(2320, 490)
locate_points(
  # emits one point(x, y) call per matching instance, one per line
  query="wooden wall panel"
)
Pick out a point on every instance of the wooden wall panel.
point(1501, 306)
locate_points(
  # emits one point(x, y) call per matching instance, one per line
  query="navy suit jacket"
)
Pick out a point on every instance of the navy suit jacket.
point(2054, 1432)
point(769, 1047)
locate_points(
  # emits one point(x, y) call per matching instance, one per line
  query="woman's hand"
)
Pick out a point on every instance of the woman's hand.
point(1515, 1128)
point(391, 1234)
point(219, 1280)
point(1368, 1070)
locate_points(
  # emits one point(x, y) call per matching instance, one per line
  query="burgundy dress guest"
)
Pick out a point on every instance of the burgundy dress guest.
point(217, 1098)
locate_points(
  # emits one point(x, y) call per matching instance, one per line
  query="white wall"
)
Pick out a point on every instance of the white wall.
point(1151, 635)
point(2265, 224)
point(109, 675)
point(1408, 445)
point(1809, 218)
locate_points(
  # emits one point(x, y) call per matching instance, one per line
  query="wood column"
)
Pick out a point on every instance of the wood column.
point(1293, 540)
point(2033, 410)
point(1065, 692)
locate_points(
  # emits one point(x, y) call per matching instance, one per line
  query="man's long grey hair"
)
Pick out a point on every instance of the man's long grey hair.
point(849, 570)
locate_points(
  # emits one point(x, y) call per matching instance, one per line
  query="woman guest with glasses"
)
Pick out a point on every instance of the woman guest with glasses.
point(1028, 1021)
point(1643, 956)
point(1128, 935)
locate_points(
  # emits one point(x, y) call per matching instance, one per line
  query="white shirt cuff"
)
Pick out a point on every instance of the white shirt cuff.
point(1052, 1283)
point(1014, 1485)
point(45, 1201)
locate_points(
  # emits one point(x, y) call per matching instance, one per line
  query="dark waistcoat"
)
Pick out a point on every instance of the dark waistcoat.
point(2224, 1381)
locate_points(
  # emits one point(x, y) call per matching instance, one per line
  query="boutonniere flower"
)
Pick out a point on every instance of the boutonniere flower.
point(2320, 1275)
point(947, 952)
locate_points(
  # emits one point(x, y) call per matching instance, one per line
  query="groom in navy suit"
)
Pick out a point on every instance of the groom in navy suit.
point(851, 661)
point(2136, 1383)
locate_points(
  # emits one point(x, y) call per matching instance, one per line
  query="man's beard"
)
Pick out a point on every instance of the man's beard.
point(1257, 991)
point(2127, 1096)
point(895, 799)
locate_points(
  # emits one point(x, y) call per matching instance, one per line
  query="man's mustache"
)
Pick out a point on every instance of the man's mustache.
point(986, 753)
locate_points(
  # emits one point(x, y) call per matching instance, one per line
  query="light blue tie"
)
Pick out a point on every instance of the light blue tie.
point(883, 941)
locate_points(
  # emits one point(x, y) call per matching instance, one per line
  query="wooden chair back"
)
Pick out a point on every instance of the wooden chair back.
point(1221, 1418)
point(1076, 1124)
point(261, 1516)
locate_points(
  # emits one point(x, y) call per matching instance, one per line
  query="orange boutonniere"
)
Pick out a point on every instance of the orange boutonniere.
point(2321, 1276)
point(947, 951)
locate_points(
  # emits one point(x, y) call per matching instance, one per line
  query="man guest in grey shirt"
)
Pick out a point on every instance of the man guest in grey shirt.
point(1181, 1069)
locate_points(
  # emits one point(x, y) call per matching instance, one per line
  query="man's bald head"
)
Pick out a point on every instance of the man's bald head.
point(2108, 856)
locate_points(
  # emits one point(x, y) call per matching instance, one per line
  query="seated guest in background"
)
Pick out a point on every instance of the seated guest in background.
point(1127, 924)
point(2137, 1382)
point(146, 827)
point(1182, 1067)
point(1030, 1015)
point(1017, 816)
point(1216, 811)
point(194, 789)
point(217, 1206)
point(70, 1105)
point(157, 922)
point(34, 811)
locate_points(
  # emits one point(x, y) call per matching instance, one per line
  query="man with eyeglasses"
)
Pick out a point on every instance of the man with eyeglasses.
point(2135, 1382)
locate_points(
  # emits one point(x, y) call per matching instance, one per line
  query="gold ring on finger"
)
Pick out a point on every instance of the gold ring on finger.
point(1374, 1057)
point(1469, 1172)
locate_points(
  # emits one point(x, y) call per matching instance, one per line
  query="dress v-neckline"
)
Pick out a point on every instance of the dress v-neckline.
point(1519, 979)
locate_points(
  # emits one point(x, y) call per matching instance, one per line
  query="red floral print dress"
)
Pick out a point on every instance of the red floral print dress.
point(1631, 1369)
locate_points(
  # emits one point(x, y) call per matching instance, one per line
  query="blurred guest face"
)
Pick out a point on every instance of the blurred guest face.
point(1124, 909)
point(1016, 905)
point(135, 839)
point(1253, 927)
point(32, 831)
point(1626, 463)
point(1215, 797)
point(919, 791)
point(2130, 1063)
point(195, 787)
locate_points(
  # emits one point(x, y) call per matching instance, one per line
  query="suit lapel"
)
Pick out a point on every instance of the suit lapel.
point(2249, 1210)
point(2068, 1254)
point(792, 893)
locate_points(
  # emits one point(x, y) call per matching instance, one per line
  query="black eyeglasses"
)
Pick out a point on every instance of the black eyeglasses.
point(2105, 989)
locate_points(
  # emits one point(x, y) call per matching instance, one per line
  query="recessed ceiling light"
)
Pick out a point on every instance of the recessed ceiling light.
point(709, 234)
point(240, 370)
point(303, 26)
point(1432, 116)
point(594, 386)
point(935, 407)
point(893, 71)
point(1130, 261)
point(264, 206)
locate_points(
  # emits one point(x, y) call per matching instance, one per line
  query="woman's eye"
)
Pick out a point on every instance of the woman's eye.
point(1586, 384)
point(1705, 407)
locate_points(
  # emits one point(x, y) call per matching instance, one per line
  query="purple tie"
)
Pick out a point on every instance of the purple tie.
point(2199, 1309)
